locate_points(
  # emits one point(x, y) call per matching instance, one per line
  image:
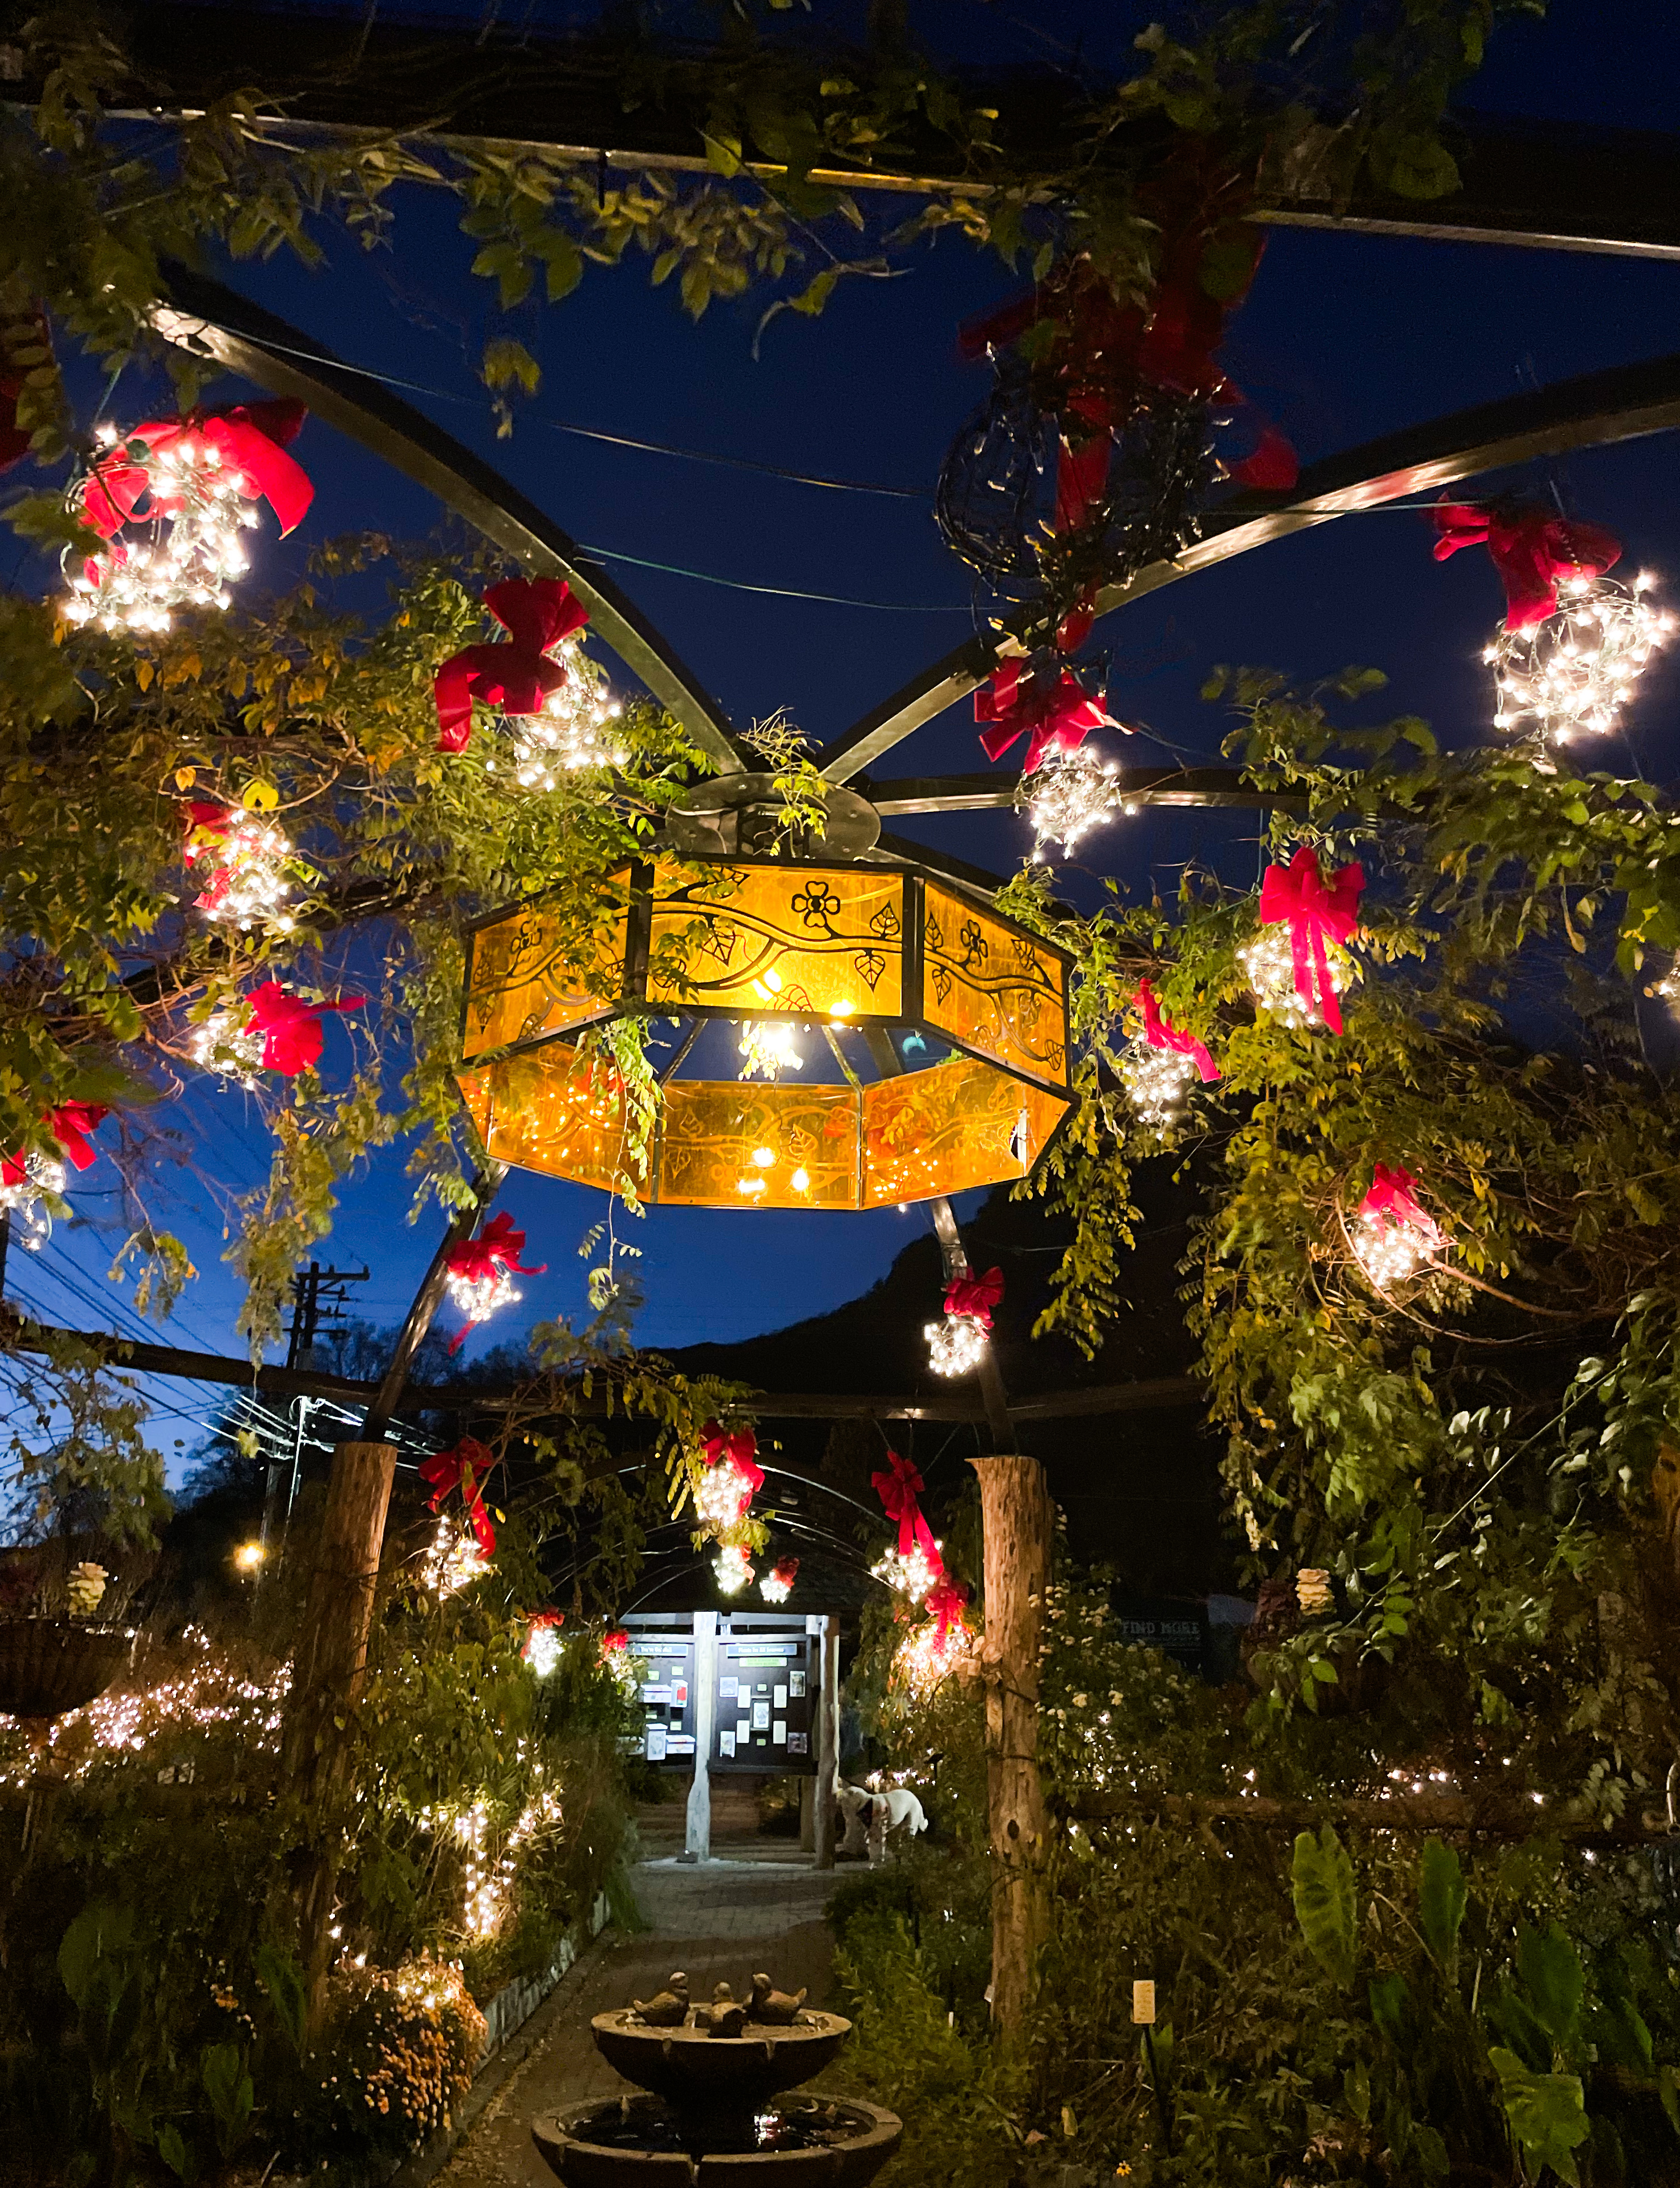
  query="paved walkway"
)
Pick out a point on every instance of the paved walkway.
point(761, 1907)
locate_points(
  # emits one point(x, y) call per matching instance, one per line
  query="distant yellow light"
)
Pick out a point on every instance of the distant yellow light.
point(801, 1181)
point(248, 1556)
point(764, 1156)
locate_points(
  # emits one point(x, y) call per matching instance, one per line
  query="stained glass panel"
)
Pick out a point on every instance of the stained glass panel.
point(826, 939)
point(961, 1123)
point(733, 1143)
point(521, 988)
point(551, 1110)
point(993, 988)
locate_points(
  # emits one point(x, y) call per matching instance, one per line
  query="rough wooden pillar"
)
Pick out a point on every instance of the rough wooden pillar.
point(698, 1824)
point(1016, 1510)
point(828, 1741)
point(328, 1672)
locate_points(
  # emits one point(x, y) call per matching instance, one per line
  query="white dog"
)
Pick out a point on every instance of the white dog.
point(893, 1814)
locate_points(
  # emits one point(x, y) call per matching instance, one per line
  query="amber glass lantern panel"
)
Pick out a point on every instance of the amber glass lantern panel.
point(959, 1124)
point(826, 940)
point(523, 987)
point(736, 1143)
point(554, 1111)
point(993, 989)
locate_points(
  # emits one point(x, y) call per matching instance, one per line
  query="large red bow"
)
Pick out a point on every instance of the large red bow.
point(976, 1296)
point(70, 1124)
point(517, 676)
point(497, 1246)
point(615, 1643)
point(291, 1033)
point(1316, 910)
point(250, 438)
point(1058, 716)
point(203, 818)
point(898, 1492)
point(466, 1466)
point(947, 1602)
point(1533, 551)
point(737, 1447)
point(1162, 1033)
point(1391, 1195)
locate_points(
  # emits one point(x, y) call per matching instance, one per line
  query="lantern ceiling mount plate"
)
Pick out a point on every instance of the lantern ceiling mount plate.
point(730, 814)
point(880, 961)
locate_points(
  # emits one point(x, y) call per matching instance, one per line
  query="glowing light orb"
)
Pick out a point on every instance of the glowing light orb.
point(245, 881)
point(248, 1557)
point(723, 1494)
point(185, 555)
point(542, 1646)
point(733, 1568)
point(1389, 1251)
point(1269, 961)
point(31, 1222)
point(452, 1561)
point(575, 729)
point(479, 1297)
point(1157, 1083)
point(777, 1585)
point(956, 1343)
point(768, 1048)
point(913, 1574)
point(923, 1659)
point(227, 1043)
point(1572, 674)
point(1067, 795)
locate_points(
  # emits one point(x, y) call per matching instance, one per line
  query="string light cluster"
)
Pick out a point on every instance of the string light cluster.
point(1390, 1251)
point(911, 1573)
point(1157, 1083)
point(543, 1645)
point(246, 881)
point(479, 1297)
point(1067, 795)
point(1573, 673)
point(1269, 962)
point(489, 1872)
point(956, 1343)
point(451, 1560)
point(184, 556)
point(733, 1568)
point(768, 1048)
point(723, 1495)
point(31, 1221)
point(777, 1585)
point(574, 729)
point(926, 1657)
point(227, 1042)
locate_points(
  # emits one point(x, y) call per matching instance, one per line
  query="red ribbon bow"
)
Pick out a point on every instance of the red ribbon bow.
point(542, 1618)
point(498, 1246)
point(70, 1124)
point(203, 818)
point(1316, 910)
point(787, 1570)
point(947, 1602)
point(293, 1038)
point(737, 1447)
point(1058, 717)
point(1533, 551)
point(1162, 1033)
point(517, 676)
point(615, 1642)
point(976, 1296)
point(898, 1492)
point(1391, 1195)
point(252, 440)
point(466, 1466)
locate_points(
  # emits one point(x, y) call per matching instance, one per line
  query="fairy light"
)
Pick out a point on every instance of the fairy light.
point(23, 1200)
point(723, 1494)
point(1067, 795)
point(1389, 1251)
point(542, 1648)
point(184, 556)
point(227, 1043)
point(956, 1343)
point(1573, 673)
point(1269, 962)
point(246, 880)
point(768, 1048)
point(733, 1568)
point(574, 729)
point(451, 1560)
point(489, 1871)
point(777, 1585)
point(1157, 1083)
point(911, 1573)
point(480, 1297)
point(923, 1659)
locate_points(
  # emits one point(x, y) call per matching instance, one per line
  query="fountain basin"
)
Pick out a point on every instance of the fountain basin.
point(693, 2070)
point(641, 2142)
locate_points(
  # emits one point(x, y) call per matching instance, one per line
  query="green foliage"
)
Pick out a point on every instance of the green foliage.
point(1324, 1903)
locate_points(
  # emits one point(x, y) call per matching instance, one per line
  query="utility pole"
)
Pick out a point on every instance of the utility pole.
point(317, 1295)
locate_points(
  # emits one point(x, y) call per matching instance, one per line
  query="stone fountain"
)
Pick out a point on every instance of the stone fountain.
point(718, 2111)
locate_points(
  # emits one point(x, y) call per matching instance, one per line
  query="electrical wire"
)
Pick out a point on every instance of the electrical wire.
point(774, 592)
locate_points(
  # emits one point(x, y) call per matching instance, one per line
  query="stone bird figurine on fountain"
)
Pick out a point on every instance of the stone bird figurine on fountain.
point(726, 2015)
point(669, 2009)
point(775, 2007)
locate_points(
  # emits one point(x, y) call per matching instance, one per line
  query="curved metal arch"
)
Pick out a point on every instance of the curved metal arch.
point(1591, 411)
point(202, 316)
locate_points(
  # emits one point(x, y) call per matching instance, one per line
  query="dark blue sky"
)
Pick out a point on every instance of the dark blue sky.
point(1344, 338)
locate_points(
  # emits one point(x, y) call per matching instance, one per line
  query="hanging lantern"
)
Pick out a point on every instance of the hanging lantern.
point(245, 860)
point(542, 1641)
point(1572, 672)
point(479, 1273)
point(1394, 1237)
point(957, 1343)
point(777, 1585)
point(913, 1566)
point(172, 500)
point(1297, 964)
point(859, 952)
point(1068, 795)
point(733, 1568)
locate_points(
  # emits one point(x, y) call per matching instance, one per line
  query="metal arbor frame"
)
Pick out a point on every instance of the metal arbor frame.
point(1596, 409)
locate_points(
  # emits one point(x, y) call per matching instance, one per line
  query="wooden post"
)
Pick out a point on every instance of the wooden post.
point(828, 1739)
point(697, 1825)
point(328, 1672)
point(1015, 1512)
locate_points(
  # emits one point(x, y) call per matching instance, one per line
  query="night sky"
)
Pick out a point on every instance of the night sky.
point(1343, 338)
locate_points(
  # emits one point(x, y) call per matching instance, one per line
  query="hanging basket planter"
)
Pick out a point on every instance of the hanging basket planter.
point(49, 1667)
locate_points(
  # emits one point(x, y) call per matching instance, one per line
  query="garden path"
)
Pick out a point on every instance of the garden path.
point(758, 1904)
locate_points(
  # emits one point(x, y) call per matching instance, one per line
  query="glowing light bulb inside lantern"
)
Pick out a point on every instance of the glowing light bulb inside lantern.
point(31, 1222)
point(480, 1297)
point(1269, 962)
point(246, 884)
point(227, 1043)
point(912, 1573)
point(768, 1048)
point(956, 1343)
point(1572, 674)
point(777, 1585)
point(1067, 795)
point(1157, 1083)
point(733, 1570)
